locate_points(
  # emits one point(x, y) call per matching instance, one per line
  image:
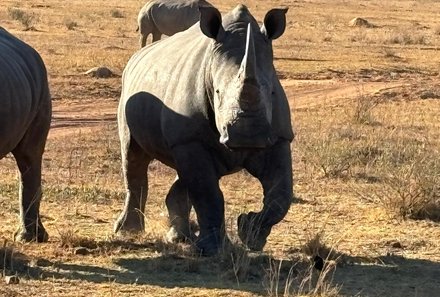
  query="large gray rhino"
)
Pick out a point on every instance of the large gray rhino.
point(207, 102)
point(25, 115)
point(167, 17)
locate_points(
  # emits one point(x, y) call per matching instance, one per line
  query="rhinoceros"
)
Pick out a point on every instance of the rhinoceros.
point(167, 17)
point(207, 102)
point(25, 115)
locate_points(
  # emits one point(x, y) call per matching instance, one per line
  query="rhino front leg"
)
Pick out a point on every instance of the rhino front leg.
point(197, 173)
point(179, 207)
point(134, 165)
point(274, 170)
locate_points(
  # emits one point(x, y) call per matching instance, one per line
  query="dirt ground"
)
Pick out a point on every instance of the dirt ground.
point(325, 67)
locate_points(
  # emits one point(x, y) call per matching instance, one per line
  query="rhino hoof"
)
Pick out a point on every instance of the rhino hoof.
point(28, 236)
point(129, 226)
point(209, 245)
point(250, 233)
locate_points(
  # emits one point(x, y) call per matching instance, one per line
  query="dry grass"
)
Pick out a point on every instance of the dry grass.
point(366, 159)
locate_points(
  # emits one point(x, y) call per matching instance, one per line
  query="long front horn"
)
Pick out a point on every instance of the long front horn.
point(248, 65)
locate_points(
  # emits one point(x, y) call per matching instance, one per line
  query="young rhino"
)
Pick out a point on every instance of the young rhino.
point(167, 17)
point(25, 115)
point(207, 102)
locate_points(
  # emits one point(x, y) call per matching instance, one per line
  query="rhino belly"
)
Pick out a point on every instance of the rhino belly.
point(143, 117)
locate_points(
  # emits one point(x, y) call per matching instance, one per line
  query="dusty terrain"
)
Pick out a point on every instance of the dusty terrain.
point(374, 244)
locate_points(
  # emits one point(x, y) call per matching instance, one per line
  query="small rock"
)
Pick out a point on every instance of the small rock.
point(429, 95)
point(81, 251)
point(99, 72)
point(396, 245)
point(12, 279)
point(360, 22)
point(40, 263)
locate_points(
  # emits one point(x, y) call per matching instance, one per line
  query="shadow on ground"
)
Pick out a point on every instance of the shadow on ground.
point(236, 269)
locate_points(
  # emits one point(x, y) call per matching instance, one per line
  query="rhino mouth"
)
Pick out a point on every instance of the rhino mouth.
point(246, 133)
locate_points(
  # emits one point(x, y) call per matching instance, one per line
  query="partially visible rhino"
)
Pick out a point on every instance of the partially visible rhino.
point(207, 102)
point(25, 115)
point(167, 17)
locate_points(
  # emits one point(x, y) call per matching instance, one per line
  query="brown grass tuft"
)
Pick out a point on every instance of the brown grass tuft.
point(69, 239)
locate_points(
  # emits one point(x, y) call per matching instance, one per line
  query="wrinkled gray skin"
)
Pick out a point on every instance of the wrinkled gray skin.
point(167, 17)
point(25, 115)
point(201, 103)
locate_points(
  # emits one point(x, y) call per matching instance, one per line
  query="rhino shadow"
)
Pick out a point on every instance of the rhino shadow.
point(356, 276)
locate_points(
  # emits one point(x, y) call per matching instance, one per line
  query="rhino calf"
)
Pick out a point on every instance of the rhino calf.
point(25, 115)
point(207, 102)
point(167, 17)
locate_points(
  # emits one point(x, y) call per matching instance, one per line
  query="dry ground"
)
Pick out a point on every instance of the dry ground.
point(346, 197)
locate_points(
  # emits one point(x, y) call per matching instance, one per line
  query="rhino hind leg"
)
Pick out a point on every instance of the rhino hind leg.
point(28, 155)
point(179, 208)
point(134, 165)
point(143, 40)
point(156, 35)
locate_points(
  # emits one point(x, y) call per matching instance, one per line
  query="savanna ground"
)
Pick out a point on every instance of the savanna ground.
point(365, 108)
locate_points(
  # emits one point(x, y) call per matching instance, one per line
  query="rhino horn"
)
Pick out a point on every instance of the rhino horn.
point(248, 64)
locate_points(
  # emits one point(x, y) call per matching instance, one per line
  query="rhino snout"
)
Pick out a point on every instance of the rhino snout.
point(247, 132)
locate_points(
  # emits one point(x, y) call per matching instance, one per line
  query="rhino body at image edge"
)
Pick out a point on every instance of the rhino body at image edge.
point(25, 116)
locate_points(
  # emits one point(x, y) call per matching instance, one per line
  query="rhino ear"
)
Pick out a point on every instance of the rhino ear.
point(211, 22)
point(274, 23)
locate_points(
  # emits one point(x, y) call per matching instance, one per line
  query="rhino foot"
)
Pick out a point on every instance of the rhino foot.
point(250, 231)
point(38, 234)
point(210, 244)
point(129, 224)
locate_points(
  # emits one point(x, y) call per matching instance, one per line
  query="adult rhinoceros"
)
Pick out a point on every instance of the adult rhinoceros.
point(208, 103)
point(25, 114)
point(167, 17)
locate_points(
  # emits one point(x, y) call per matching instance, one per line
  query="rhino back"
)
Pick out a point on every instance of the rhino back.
point(23, 82)
point(173, 16)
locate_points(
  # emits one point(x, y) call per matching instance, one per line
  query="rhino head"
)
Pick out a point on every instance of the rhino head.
point(241, 74)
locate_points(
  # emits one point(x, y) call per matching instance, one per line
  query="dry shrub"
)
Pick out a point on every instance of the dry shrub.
point(333, 157)
point(70, 24)
point(115, 13)
point(236, 261)
point(410, 179)
point(305, 279)
point(364, 105)
point(26, 19)
point(413, 189)
point(389, 53)
point(406, 38)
